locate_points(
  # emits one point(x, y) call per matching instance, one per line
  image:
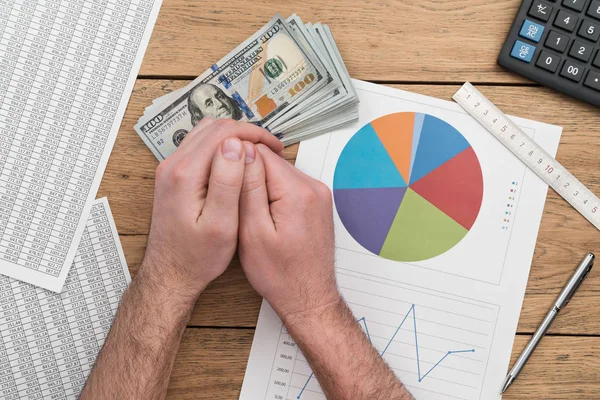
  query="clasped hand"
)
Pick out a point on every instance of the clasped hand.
point(226, 187)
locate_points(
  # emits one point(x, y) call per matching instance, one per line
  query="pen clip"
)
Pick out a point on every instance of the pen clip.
point(579, 282)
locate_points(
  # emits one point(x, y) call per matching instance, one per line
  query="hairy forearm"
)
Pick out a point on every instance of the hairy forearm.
point(343, 360)
point(138, 355)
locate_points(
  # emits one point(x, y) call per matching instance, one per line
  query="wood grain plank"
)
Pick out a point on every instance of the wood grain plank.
point(210, 364)
point(564, 235)
point(212, 361)
point(384, 40)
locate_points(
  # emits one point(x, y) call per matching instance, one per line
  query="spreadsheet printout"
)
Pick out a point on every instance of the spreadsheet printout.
point(49, 341)
point(67, 69)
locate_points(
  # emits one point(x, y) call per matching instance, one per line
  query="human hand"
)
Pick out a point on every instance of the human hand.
point(196, 202)
point(286, 242)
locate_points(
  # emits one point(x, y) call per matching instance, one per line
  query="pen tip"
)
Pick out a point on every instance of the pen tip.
point(509, 380)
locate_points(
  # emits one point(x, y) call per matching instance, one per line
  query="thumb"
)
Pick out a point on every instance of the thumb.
point(254, 200)
point(225, 184)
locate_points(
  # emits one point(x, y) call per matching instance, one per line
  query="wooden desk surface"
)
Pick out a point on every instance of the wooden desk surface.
point(429, 47)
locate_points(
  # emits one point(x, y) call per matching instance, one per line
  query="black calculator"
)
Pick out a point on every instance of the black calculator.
point(555, 43)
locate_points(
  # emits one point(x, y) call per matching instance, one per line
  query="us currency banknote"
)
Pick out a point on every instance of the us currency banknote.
point(281, 78)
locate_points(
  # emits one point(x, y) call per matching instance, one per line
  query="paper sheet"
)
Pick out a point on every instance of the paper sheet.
point(445, 325)
point(68, 69)
point(48, 341)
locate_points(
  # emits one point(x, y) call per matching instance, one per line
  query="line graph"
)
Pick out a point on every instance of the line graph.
point(436, 342)
point(421, 377)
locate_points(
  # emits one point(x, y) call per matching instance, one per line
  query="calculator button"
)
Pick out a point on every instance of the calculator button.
point(596, 62)
point(592, 80)
point(566, 21)
point(576, 5)
point(571, 71)
point(581, 51)
point(594, 10)
point(556, 41)
point(532, 31)
point(548, 61)
point(522, 51)
point(540, 10)
point(589, 30)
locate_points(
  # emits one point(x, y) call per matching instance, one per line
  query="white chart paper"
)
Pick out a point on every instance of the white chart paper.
point(49, 341)
point(447, 323)
point(67, 71)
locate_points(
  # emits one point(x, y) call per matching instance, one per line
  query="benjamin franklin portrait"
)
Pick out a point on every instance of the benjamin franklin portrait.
point(208, 100)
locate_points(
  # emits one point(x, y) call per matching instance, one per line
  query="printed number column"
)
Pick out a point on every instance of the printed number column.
point(29, 313)
point(31, 125)
point(110, 266)
point(41, 343)
point(101, 310)
point(47, 19)
point(87, 97)
point(51, 212)
point(12, 106)
point(76, 308)
point(15, 18)
point(67, 54)
point(89, 101)
point(92, 99)
point(5, 73)
point(89, 278)
point(9, 325)
point(60, 360)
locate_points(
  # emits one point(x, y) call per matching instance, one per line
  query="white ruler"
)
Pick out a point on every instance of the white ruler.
point(528, 151)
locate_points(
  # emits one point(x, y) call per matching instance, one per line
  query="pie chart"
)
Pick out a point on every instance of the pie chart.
point(408, 186)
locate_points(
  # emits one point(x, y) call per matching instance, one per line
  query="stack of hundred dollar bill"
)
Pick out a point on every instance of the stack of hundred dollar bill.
point(289, 78)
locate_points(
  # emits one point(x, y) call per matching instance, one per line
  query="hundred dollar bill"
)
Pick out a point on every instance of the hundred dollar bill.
point(330, 89)
point(319, 107)
point(262, 78)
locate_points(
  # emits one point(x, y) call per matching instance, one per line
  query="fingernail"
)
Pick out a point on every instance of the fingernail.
point(232, 149)
point(250, 152)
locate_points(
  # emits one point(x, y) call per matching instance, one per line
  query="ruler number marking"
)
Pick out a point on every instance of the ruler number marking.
point(528, 151)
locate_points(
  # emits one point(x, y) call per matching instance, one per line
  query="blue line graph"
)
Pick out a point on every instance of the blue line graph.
point(421, 377)
point(364, 321)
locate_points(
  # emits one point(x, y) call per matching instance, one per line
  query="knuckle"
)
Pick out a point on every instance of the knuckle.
point(307, 196)
point(323, 190)
point(180, 173)
point(225, 182)
point(221, 231)
point(224, 125)
point(252, 185)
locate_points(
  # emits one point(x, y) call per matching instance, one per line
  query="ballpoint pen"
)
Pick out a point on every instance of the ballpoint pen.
point(563, 299)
